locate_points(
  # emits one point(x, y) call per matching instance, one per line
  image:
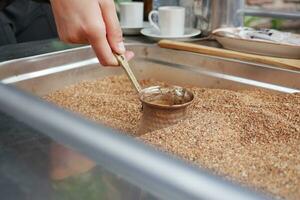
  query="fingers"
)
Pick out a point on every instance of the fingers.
point(103, 50)
point(101, 46)
point(96, 34)
point(113, 37)
point(94, 22)
point(113, 29)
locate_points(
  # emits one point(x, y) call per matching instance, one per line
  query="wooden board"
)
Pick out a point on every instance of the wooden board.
point(293, 64)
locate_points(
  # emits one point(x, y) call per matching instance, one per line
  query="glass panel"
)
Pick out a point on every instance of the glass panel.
point(33, 166)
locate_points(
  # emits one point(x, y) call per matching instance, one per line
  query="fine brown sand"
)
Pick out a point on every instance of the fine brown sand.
point(252, 137)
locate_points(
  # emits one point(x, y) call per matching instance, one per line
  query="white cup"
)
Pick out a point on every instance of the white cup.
point(132, 14)
point(171, 20)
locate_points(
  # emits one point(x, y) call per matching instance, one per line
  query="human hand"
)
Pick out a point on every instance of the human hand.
point(94, 22)
point(65, 162)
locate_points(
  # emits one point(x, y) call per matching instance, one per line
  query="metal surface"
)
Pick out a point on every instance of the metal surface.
point(155, 172)
point(43, 74)
point(163, 107)
point(123, 62)
point(213, 14)
point(139, 165)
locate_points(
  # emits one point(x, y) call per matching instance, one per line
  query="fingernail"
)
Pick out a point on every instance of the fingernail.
point(121, 47)
point(130, 55)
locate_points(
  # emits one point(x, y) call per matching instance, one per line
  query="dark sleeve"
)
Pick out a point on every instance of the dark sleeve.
point(42, 1)
point(4, 3)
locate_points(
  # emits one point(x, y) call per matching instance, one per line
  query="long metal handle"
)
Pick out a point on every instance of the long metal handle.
point(123, 62)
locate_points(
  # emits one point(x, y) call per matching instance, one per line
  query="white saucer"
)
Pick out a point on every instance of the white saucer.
point(134, 30)
point(154, 34)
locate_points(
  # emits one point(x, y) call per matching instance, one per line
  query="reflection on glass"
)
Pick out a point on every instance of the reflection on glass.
point(32, 166)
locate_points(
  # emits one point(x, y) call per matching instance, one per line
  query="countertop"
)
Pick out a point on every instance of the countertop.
point(14, 51)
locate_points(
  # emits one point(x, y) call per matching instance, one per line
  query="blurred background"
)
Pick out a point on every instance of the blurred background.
point(277, 5)
point(283, 6)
